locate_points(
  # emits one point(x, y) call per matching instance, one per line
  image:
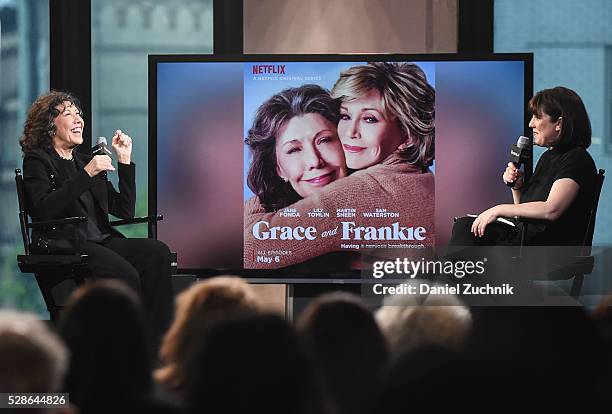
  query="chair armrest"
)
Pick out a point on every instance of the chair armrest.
point(57, 222)
point(136, 220)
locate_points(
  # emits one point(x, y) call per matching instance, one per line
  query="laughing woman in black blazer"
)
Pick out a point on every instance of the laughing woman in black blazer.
point(61, 182)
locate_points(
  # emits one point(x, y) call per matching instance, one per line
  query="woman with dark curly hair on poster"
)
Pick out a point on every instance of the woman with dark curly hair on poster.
point(294, 146)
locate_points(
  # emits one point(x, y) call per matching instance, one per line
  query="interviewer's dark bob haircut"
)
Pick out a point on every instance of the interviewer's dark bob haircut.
point(560, 102)
point(263, 180)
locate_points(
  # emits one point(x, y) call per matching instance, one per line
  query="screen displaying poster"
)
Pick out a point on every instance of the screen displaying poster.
point(278, 166)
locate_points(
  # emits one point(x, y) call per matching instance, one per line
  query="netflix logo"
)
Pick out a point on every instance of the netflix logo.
point(268, 69)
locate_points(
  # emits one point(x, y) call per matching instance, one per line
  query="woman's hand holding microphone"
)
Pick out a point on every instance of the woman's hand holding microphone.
point(98, 164)
point(513, 175)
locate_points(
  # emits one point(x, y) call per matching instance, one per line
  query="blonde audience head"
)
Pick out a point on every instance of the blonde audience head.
point(196, 309)
point(441, 321)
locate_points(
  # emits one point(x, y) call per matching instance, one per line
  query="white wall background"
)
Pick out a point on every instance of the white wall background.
point(350, 26)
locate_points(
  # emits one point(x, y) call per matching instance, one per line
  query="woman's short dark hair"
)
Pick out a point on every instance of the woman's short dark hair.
point(565, 103)
point(263, 179)
point(339, 329)
point(104, 328)
point(405, 94)
point(39, 128)
point(241, 360)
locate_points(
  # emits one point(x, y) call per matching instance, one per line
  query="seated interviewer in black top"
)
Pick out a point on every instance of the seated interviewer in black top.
point(554, 164)
point(568, 230)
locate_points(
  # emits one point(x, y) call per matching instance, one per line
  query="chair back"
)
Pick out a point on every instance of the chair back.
point(23, 215)
point(588, 237)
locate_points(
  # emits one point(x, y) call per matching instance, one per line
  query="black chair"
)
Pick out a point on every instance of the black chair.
point(52, 270)
point(574, 266)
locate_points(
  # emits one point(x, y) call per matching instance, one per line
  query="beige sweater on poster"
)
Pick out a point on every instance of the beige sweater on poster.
point(393, 185)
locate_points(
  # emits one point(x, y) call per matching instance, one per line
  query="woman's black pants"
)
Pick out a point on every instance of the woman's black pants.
point(144, 265)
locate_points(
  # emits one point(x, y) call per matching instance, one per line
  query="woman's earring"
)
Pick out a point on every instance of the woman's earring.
point(285, 179)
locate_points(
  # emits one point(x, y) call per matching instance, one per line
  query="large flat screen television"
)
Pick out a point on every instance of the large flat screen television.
point(289, 167)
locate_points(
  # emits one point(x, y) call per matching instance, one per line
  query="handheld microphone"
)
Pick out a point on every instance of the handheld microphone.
point(519, 153)
point(101, 148)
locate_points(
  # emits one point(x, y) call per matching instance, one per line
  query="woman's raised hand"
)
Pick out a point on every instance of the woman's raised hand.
point(122, 144)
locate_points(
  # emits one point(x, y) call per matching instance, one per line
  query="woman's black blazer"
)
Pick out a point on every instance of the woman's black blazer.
point(51, 192)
